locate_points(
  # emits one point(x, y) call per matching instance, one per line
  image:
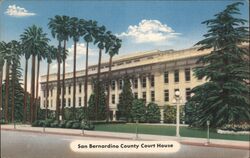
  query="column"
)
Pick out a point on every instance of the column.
point(148, 92)
point(114, 115)
point(162, 114)
point(139, 88)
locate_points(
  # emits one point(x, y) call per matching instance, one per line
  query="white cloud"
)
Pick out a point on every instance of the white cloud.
point(17, 11)
point(80, 51)
point(149, 31)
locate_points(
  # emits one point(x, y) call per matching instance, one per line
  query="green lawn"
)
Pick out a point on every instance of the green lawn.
point(168, 131)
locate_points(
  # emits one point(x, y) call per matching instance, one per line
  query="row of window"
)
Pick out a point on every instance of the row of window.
point(68, 103)
point(152, 95)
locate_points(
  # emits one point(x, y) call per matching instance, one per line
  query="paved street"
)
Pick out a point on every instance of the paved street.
point(38, 145)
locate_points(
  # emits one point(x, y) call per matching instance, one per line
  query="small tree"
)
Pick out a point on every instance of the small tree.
point(101, 113)
point(126, 99)
point(138, 110)
point(153, 113)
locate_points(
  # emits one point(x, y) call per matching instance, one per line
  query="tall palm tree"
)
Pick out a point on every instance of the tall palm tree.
point(88, 37)
point(27, 56)
point(65, 21)
point(55, 26)
point(34, 41)
point(99, 35)
point(40, 56)
point(75, 33)
point(50, 56)
point(115, 45)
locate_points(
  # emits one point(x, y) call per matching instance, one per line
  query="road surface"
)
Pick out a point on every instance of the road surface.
point(38, 145)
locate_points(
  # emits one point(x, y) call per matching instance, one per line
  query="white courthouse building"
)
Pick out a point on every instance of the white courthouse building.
point(154, 75)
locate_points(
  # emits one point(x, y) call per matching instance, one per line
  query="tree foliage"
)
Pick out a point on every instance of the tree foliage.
point(224, 98)
point(126, 100)
point(153, 114)
point(138, 110)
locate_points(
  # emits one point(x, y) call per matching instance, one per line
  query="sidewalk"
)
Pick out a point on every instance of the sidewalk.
point(115, 135)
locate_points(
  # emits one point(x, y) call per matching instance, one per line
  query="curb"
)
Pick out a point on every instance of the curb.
point(123, 138)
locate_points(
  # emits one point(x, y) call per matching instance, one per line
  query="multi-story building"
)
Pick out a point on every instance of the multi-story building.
point(154, 75)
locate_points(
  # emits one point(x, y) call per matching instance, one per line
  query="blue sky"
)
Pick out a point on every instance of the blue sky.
point(142, 25)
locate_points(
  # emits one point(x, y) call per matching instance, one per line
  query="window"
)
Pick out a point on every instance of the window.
point(80, 88)
point(120, 84)
point(51, 93)
point(80, 101)
point(166, 77)
point(69, 89)
point(64, 103)
point(144, 82)
point(136, 95)
point(188, 94)
point(51, 103)
point(44, 103)
point(187, 74)
point(120, 97)
point(113, 85)
point(176, 76)
point(144, 95)
point(113, 99)
point(166, 95)
point(47, 103)
point(152, 95)
point(44, 93)
point(69, 102)
point(136, 83)
point(152, 81)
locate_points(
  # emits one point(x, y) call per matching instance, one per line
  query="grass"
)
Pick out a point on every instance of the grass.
point(168, 131)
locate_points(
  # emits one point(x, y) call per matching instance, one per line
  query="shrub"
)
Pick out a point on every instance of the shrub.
point(138, 110)
point(170, 114)
point(80, 114)
point(76, 125)
point(62, 124)
point(48, 122)
point(236, 127)
point(35, 123)
point(153, 114)
point(69, 124)
point(54, 124)
point(68, 114)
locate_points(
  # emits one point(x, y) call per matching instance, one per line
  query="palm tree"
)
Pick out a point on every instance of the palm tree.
point(65, 36)
point(55, 26)
point(99, 35)
point(89, 26)
point(75, 33)
point(40, 55)
point(113, 50)
point(50, 55)
point(27, 56)
point(34, 41)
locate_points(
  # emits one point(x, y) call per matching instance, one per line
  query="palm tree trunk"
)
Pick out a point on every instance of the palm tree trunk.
point(98, 83)
point(25, 93)
point(86, 80)
point(37, 83)
point(6, 91)
point(108, 92)
point(32, 97)
point(63, 80)
point(74, 81)
point(47, 92)
point(13, 99)
point(1, 92)
point(58, 82)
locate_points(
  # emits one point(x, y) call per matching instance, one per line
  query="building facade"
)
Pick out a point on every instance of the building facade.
point(154, 76)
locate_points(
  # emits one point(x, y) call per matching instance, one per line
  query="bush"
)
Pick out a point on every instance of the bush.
point(68, 114)
point(236, 127)
point(35, 123)
point(138, 110)
point(80, 114)
point(170, 114)
point(48, 122)
point(62, 124)
point(153, 114)
point(76, 125)
point(54, 124)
